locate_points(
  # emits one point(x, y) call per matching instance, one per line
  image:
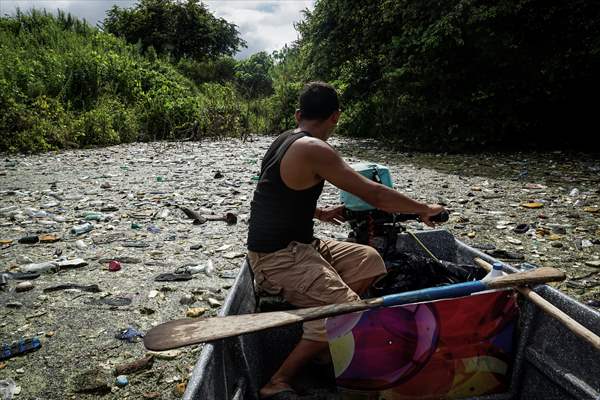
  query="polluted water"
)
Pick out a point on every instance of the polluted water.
point(96, 228)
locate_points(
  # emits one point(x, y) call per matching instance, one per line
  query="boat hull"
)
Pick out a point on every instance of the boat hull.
point(550, 362)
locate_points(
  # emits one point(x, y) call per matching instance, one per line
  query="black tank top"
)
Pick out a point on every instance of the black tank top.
point(278, 214)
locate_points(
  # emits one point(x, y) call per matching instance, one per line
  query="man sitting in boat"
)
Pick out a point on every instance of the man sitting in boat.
point(284, 255)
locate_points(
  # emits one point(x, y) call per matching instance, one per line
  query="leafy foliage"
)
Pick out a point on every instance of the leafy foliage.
point(66, 84)
point(287, 82)
point(221, 70)
point(179, 29)
point(429, 75)
point(252, 75)
point(457, 74)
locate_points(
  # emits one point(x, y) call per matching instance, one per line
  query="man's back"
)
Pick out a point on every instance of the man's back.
point(280, 214)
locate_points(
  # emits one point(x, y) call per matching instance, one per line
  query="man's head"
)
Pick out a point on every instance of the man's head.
point(319, 106)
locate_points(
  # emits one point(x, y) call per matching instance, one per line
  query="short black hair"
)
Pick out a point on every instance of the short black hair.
point(318, 100)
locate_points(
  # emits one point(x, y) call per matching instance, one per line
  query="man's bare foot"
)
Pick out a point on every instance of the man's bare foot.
point(273, 388)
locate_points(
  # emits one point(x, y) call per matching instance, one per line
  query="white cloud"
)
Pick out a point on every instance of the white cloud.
point(264, 25)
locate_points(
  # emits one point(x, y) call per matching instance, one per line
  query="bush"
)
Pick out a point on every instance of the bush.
point(107, 123)
point(459, 74)
point(65, 84)
point(221, 70)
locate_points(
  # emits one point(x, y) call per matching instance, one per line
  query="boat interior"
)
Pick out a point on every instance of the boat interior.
point(550, 362)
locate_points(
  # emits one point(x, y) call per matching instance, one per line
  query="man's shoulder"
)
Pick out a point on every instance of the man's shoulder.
point(311, 144)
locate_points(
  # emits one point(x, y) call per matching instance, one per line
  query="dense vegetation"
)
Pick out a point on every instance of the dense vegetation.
point(179, 29)
point(429, 75)
point(459, 74)
point(63, 83)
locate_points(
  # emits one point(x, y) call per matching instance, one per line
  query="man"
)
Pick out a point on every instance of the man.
point(284, 255)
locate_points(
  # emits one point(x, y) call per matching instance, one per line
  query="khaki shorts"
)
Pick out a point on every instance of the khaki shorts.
point(309, 275)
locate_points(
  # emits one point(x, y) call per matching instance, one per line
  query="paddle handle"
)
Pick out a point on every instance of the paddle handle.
point(553, 311)
point(435, 293)
point(540, 275)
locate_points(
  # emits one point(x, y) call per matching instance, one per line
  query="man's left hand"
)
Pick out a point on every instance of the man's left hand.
point(334, 215)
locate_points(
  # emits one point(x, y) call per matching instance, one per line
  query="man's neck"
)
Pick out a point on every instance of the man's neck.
point(314, 129)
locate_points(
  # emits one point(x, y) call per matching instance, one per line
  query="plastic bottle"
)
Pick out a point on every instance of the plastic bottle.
point(8, 210)
point(81, 229)
point(495, 272)
point(94, 216)
point(207, 269)
point(21, 346)
point(59, 218)
point(7, 388)
point(41, 267)
point(32, 212)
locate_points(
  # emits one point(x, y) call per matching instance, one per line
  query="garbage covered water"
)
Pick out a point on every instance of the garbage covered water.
point(98, 246)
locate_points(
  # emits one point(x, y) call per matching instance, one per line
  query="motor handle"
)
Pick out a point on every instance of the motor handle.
point(439, 218)
point(386, 217)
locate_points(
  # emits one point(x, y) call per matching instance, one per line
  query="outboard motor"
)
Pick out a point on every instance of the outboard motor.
point(370, 226)
point(380, 230)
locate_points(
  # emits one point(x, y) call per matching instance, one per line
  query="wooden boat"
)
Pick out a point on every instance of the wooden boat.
point(549, 362)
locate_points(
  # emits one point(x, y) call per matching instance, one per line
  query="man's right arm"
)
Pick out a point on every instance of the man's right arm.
point(328, 164)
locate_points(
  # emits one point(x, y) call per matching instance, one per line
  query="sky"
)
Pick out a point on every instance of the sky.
point(264, 25)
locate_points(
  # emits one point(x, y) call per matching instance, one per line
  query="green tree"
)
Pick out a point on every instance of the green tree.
point(288, 79)
point(221, 70)
point(458, 74)
point(252, 75)
point(179, 29)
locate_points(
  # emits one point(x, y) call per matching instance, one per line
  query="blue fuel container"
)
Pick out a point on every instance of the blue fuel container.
point(374, 172)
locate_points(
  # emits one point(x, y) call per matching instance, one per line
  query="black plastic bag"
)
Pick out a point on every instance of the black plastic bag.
point(408, 271)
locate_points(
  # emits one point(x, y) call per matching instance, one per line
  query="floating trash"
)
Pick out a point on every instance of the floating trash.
point(130, 335)
point(533, 205)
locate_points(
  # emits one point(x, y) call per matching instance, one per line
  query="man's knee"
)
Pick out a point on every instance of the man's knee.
point(371, 257)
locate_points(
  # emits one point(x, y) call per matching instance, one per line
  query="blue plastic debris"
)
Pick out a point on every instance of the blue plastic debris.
point(19, 347)
point(153, 229)
point(122, 380)
point(129, 334)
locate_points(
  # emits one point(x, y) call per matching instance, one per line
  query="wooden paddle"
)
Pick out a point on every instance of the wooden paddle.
point(184, 332)
point(553, 311)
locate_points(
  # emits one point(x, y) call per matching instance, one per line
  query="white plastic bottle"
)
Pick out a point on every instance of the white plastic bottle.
point(207, 269)
point(41, 267)
point(495, 272)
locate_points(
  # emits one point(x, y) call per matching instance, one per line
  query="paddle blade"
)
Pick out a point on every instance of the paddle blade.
point(185, 332)
point(539, 275)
